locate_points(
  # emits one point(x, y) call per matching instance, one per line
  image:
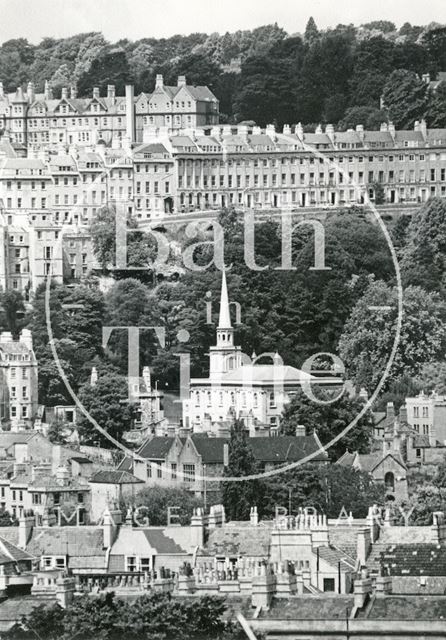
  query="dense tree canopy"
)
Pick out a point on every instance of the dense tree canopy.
point(149, 617)
point(329, 420)
point(369, 334)
point(317, 76)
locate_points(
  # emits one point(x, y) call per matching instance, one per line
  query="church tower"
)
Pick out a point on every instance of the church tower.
point(224, 356)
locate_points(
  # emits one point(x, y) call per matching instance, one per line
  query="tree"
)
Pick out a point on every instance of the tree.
point(424, 257)
point(107, 402)
point(157, 500)
point(328, 420)
point(433, 377)
point(141, 248)
point(12, 308)
point(45, 621)
point(380, 25)
point(311, 31)
point(405, 97)
point(150, 617)
point(61, 78)
point(370, 118)
point(58, 432)
point(436, 113)
point(239, 497)
point(378, 190)
point(329, 489)
point(368, 335)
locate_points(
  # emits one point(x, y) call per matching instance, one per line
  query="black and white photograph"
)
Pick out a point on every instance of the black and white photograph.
point(222, 320)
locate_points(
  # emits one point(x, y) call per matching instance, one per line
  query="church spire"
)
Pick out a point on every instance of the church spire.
point(224, 320)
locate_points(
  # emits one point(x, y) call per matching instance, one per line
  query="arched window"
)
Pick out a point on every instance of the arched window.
point(389, 481)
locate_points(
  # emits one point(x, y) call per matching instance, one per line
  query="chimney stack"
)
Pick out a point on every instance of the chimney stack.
point(96, 92)
point(26, 524)
point(130, 112)
point(181, 81)
point(26, 338)
point(111, 91)
point(110, 524)
point(30, 92)
point(73, 92)
point(159, 81)
point(390, 411)
point(64, 93)
point(300, 431)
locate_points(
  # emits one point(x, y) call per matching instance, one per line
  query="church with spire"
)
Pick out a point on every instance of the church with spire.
point(253, 389)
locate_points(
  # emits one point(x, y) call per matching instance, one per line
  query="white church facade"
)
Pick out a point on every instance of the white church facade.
point(242, 387)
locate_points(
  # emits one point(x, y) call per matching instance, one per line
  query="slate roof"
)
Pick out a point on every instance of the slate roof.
point(344, 539)
point(10, 552)
point(268, 450)
point(155, 147)
point(115, 477)
point(156, 448)
point(414, 560)
point(83, 545)
point(286, 448)
point(347, 459)
point(162, 542)
point(267, 374)
point(336, 558)
point(238, 540)
point(12, 609)
point(10, 534)
point(408, 608)
point(7, 439)
point(54, 483)
point(312, 607)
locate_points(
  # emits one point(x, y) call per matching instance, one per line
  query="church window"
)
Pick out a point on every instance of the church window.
point(256, 400)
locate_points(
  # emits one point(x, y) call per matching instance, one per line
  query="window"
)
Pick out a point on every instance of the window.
point(329, 584)
point(56, 498)
point(80, 498)
point(131, 564)
point(145, 564)
point(189, 472)
point(173, 470)
point(36, 498)
point(159, 470)
point(389, 481)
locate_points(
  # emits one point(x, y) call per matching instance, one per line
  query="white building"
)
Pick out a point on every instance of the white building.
point(238, 387)
point(18, 380)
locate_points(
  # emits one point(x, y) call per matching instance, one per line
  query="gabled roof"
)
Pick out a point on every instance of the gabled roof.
point(156, 448)
point(369, 461)
point(114, 477)
point(10, 552)
point(347, 459)
point(336, 558)
point(83, 545)
point(278, 450)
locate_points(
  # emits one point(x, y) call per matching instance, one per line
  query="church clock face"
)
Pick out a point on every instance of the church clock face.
point(238, 386)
